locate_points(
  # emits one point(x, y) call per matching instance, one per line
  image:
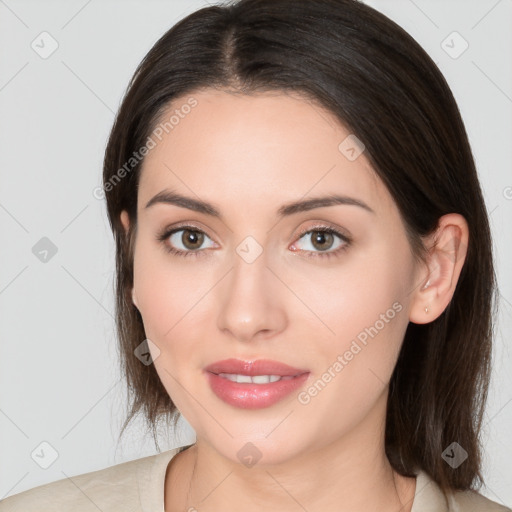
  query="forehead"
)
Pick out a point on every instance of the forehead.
point(255, 151)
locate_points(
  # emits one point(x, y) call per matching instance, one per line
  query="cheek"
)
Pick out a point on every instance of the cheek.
point(171, 298)
point(173, 314)
point(166, 299)
point(363, 313)
point(354, 362)
point(367, 289)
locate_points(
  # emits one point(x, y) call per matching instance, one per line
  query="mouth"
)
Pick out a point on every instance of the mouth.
point(253, 384)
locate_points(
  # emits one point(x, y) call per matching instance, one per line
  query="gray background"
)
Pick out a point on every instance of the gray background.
point(59, 382)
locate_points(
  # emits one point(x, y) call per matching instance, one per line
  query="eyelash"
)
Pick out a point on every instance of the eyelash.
point(166, 233)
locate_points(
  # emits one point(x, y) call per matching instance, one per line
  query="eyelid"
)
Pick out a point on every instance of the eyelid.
point(184, 225)
point(323, 226)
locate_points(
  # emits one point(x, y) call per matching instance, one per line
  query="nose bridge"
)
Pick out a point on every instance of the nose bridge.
point(250, 300)
point(250, 263)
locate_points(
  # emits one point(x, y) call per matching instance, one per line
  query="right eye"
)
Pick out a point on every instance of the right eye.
point(183, 241)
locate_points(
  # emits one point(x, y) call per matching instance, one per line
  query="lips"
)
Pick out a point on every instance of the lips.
point(253, 395)
point(252, 368)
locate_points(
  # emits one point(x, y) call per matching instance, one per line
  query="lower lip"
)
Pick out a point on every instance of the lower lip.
point(253, 396)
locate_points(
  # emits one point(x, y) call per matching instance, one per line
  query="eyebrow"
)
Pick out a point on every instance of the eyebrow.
point(197, 205)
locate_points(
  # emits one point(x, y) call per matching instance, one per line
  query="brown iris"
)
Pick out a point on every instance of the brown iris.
point(192, 239)
point(321, 237)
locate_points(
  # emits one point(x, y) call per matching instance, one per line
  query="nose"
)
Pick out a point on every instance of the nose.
point(251, 300)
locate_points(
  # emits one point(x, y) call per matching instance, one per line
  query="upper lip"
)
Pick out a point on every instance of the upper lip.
point(251, 368)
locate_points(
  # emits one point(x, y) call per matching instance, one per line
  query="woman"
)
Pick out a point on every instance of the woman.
point(304, 270)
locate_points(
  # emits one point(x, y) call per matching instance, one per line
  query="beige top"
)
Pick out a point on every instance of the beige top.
point(138, 486)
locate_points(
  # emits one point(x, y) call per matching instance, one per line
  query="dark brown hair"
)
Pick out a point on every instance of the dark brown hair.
point(381, 85)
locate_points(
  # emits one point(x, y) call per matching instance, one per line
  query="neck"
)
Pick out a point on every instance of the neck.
point(352, 473)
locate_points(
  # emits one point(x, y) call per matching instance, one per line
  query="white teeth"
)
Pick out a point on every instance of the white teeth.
point(264, 379)
point(256, 379)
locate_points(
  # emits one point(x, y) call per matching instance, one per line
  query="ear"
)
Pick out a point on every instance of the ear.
point(447, 253)
point(125, 221)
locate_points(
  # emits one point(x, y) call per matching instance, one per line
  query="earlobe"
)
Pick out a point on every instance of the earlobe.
point(125, 220)
point(447, 253)
point(134, 298)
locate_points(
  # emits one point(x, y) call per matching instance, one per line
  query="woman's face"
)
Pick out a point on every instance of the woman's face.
point(250, 286)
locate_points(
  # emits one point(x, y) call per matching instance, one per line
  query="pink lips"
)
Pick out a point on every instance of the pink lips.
point(250, 395)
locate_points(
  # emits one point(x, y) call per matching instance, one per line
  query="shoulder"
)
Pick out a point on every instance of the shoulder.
point(430, 498)
point(114, 488)
point(472, 501)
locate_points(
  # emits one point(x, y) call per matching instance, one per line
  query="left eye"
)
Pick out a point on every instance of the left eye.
point(323, 240)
